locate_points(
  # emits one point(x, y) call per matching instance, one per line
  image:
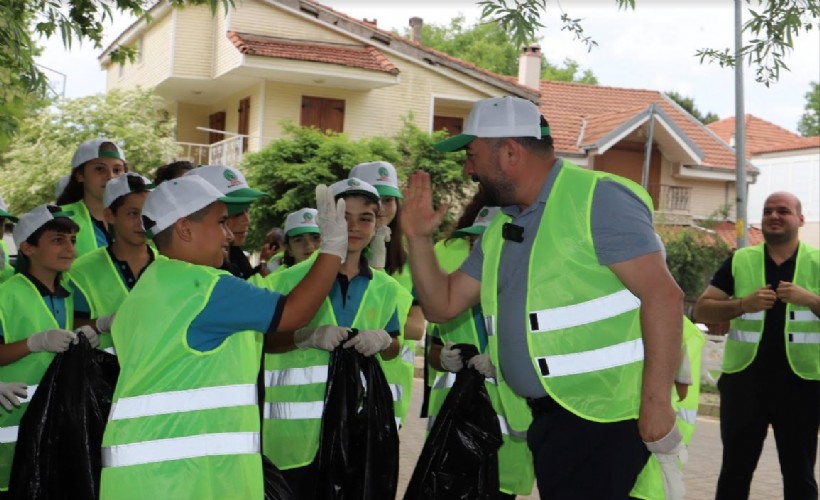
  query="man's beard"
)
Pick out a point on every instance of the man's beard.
point(777, 238)
point(497, 193)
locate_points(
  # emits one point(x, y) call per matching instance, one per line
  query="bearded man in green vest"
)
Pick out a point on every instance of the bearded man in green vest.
point(184, 422)
point(771, 360)
point(582, 315)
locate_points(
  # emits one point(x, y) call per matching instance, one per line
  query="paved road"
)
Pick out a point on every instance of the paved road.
point(701, 471)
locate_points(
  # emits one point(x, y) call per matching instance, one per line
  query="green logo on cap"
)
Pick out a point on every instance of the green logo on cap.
point(484, 212)
point(231, 177)
point(353, 183)
point(384, 174)
point(307, 217)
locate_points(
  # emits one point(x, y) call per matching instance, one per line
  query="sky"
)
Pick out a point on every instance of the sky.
point(651, 47)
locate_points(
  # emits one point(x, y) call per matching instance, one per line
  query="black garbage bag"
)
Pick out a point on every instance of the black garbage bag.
point(460, 457)
point(276, 487)
point(358, 455)
point(60, 436)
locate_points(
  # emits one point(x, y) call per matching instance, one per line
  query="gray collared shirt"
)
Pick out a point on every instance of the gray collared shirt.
point(621, 230)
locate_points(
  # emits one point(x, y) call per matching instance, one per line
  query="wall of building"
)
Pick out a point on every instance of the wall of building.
point(154, 64)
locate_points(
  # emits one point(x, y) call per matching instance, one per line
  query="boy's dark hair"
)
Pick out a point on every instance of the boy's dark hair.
point(62, 225)
point(164, 237)
point(74, 190)
point(172, 171)
point(396, 256)
point(135, 185)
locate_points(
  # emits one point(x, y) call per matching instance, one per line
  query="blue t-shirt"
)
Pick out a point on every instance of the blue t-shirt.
point(346, 298)
point(234, 306)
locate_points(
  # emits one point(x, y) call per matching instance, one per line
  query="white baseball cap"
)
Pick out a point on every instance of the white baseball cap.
point(482, 220)
point(35, 219)
point(4, 212)
point(228, 180)
point(118, 186)
point(381, 175)
point(498, 117)
point(90, 150)
point(352, 186)
point(301, 222)
point(177, 198)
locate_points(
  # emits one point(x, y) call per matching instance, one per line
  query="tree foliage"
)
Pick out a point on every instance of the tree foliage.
point(688, 104)
point(692, 257)
point(489, 46)
point(289, 168)
point(41, 152)
point(74, 21)
point(809, 124)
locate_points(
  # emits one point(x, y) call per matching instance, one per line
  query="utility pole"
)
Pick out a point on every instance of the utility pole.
point(740, 132)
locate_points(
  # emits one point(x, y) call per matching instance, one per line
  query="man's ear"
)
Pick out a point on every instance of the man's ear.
point(109, 216)
point(510, 154)
point(184, 230)
point(26, 248)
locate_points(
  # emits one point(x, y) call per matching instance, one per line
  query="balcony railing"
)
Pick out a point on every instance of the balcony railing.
point(225, 152)
point(675, 199)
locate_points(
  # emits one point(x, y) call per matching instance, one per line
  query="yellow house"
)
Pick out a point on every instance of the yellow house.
point(230, 79)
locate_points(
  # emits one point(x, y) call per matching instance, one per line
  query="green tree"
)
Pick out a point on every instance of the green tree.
point(491, 47)
point(41, 151)
point(809, 124)
point(688, 104)
point(75, 21)
point(771, 28)
point(289, 168)
point(692, 257)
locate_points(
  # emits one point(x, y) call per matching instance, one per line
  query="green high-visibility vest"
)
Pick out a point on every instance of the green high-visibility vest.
point(401, 369)
point(295, 381)
point(184, 423)
point(96, 276)
point(86, 237)
point(802, 327)
point(649, 485)
point(8, 270)
point(583, 324)
point(515, 465)
point(22, 314)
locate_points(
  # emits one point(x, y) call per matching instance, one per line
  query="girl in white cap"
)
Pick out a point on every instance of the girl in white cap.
point(6, 270)
point(36, 318)
point(103, 277)
point(93, 165)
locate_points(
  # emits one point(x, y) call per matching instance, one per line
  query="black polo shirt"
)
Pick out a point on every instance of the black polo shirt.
point(771, 359)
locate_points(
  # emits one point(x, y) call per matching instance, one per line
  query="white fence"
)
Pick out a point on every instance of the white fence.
point(225, 152)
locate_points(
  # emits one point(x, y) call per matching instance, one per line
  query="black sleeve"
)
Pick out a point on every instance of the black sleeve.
point(277, 315)
point(723, 278)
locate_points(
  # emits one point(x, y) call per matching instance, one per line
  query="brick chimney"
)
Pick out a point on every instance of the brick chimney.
point(529, 67)
point(416, 24)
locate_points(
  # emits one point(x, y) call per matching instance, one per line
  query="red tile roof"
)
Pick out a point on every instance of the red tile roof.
point(727, 232)
point(600, 125)
point(564, 105)
point(354, 56)
point(763, 136)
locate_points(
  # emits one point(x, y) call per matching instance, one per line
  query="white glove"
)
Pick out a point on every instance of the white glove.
point(56, 340)
point(669, 451)
point(103, 323)
point(332, 223)
point(450, 358)
point(378, 247)
point(90, 334)
point(10, 394)
point(482, 363)
point(684, 375)
point(326, 337)
point(370, 342)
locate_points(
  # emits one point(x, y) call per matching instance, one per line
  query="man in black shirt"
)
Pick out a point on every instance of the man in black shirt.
point(772, 359)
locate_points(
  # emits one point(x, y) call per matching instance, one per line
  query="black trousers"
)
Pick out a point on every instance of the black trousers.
point(748, 405)
point(579, 459)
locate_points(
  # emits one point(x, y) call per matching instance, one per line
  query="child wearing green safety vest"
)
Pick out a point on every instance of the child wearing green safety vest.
point(92, 166)
point(36, 318)
point(387, 252)
point(372, 302)
point(300, 239)
point(184, 421)
point(6, 270)
point(103, 277)
point(515, 469)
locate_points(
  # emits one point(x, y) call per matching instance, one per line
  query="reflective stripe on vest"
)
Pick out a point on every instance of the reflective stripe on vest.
point(30, 390)
point(445, 381)
point(591, 361)
point(163, 450)
point(163, 403)
point(598, 309)
point(758, 316)
point(802, 316)
point(9, 434)
point(397, 391)
point(296, 376)
point(110, 350)
point(741, 336)
point(294, 410)
point(407, 354)
point(687, 415)
point(804, 338)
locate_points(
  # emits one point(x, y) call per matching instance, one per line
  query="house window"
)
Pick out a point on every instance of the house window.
point(324, 114)
point(452, 124)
